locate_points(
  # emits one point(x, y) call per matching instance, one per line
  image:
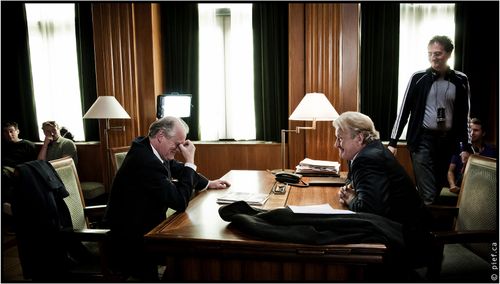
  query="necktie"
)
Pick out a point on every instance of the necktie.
point(349, 169)
point(166, 164)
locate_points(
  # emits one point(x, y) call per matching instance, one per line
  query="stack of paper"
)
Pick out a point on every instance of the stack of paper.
point(312, 167)
point(256, 199)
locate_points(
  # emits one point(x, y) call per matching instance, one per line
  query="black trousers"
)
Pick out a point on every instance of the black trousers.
point(431, 159)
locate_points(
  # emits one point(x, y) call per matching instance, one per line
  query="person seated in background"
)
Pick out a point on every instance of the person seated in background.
point(149, 182)
point(15, 151)
point(378, 183)
point(457, 164)
point(54, 145)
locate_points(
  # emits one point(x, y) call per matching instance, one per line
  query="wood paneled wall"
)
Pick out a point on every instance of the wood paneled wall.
point(322, 72)
point(128, 66)
point(216, 159)
point(296, 79)
point(90, 165)
point(323, 57)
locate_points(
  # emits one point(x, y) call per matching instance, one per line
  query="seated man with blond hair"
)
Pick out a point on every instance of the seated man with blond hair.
point(54, 145)
point(379, 184)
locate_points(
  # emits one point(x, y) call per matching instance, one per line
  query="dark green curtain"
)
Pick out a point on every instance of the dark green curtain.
point(86, 66)
point(379, 64)
point(476, 53)
point(270, 35)
point(18, 103)
point(180, 42)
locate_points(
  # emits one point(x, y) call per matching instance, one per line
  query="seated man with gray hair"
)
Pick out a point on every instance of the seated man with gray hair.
point(377, 183)
point(149, 182)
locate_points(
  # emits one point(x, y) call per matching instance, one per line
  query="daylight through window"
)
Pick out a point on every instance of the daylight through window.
point(226, 72)
point(54, 65)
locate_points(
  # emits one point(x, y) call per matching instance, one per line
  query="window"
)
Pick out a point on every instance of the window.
point(418, 24)
point(226, 72)
point(54, 65)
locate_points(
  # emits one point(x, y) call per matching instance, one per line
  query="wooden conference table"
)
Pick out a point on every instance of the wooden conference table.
point(199, 246)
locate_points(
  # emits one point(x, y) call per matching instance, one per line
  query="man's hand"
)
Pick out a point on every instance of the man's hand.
point(218, 184)
point(454, 189)
point(187, 150)
point(346, 194)
point(48, 139)
point(464, 155)
point(393, 150)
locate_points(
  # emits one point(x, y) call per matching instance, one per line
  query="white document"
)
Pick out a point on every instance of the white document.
point(319, 163)
point(318, 167)
point(250, 198)
point(318, 209)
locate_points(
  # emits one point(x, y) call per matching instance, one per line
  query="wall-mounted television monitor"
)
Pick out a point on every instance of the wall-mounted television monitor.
point(173, 104)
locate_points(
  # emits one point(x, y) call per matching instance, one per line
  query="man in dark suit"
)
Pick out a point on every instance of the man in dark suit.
point(378, 183)
point(148, 183)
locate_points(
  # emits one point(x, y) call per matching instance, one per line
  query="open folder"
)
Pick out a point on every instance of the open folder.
point(310, 167)
point(256, 199)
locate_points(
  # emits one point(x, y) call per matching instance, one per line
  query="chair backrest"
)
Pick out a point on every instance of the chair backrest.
point(477, 200)
point(117, 156)
point(66, 169)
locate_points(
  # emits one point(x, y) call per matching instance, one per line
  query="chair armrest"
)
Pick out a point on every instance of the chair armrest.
point(95, 210)
point(94, 215)
point(443, 217)
point(88, 235)
point(441, 210)
point(471, 236)
point(91, 235)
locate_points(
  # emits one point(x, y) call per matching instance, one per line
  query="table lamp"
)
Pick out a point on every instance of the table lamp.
point(313, 107)
point(107, 107)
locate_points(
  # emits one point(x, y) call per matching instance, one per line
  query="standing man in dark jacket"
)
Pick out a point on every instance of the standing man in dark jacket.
point(437, 103)
point(148, 183)
point(378, 183)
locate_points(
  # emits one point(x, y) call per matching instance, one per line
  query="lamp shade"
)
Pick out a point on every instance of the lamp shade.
point(106, 107)
point(314, 106)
